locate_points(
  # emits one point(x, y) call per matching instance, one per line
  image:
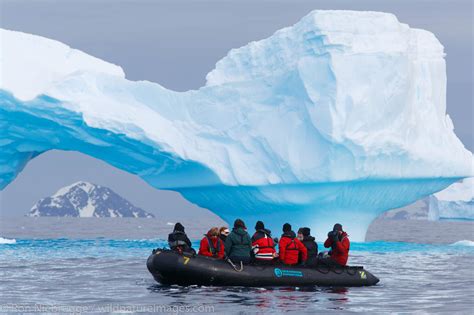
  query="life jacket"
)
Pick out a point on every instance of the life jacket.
point(292, 245)
point(339, 250)
point(290, 249)
point(209, 249)
point(178, 241)
point(214, 250)
point(262, 245)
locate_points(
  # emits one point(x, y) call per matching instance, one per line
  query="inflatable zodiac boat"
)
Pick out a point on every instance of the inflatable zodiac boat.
point(169, 267)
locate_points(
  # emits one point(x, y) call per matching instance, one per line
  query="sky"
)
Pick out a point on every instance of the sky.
point(176, 43)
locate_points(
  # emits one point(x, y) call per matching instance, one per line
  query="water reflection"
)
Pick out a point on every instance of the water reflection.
point(281, 298)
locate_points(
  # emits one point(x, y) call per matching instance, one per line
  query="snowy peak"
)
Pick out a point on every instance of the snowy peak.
point(86, 200)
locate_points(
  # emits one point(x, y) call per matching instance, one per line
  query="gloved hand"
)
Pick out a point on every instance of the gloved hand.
point(330, 233)
point(335, 237)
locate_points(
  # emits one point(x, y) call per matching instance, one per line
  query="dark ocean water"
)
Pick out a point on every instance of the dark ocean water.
point(105, 274)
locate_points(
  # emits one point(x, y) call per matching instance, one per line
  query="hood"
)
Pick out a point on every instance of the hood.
point(239, 231)
point(264, 231)
point(178, 227)
point(289, 234)
point(308, 238)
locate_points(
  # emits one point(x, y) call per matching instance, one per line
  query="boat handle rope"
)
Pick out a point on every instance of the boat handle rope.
point(234, 266)
point(335, 270)
point(318, 268)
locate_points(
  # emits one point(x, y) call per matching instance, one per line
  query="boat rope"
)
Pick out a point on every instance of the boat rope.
point(318, 268)
point(234, 266)
point(335, 268)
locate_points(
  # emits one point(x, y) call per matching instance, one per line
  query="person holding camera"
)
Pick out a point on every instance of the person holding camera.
point(339, 242)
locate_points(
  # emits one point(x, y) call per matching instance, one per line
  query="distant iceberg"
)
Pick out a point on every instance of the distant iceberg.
point(7, 241)
point(337, 118)
point(454, 203)
point(463, 243)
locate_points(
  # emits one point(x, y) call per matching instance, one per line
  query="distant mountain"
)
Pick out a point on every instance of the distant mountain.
point(86, 200)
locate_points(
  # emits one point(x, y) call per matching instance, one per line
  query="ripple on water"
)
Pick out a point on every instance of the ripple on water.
point(423, 278)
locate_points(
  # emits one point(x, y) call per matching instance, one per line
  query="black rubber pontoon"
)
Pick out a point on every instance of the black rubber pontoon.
point(169, 267)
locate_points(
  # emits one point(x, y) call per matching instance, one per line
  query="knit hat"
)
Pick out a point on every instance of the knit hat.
point(259, 225)
point(178, 227)
point(239, 223)
point(286, 227)
point(337, 227)
point(306, 231)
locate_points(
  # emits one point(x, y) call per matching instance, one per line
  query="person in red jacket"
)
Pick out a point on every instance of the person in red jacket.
point(263, 246)
point(291, 247)
point(339, 242)
point(211, 244)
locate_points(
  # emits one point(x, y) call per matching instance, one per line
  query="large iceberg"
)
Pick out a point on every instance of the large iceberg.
point(337, 118)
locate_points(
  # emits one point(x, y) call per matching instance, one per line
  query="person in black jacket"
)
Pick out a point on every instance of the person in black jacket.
point(179, 241)
point(304, 235)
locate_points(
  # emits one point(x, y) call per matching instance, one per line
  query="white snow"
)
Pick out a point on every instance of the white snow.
point(44, 60)
point(34, 212)
point(87, 211)
point(460, 191)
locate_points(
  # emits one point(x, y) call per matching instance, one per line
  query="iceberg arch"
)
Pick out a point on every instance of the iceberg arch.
point(337, 118)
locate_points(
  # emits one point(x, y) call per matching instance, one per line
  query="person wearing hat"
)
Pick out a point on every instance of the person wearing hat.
point(211, 245)
point(179, 241)
point(291, 248)
point(339, 242)
point(263, 246)
point(304, 235)
point(223, 232)
point(238, 244)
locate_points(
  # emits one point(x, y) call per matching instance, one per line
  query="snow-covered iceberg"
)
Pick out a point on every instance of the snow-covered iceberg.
point(7, 241)
point(454, 203)
point(336, 118)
